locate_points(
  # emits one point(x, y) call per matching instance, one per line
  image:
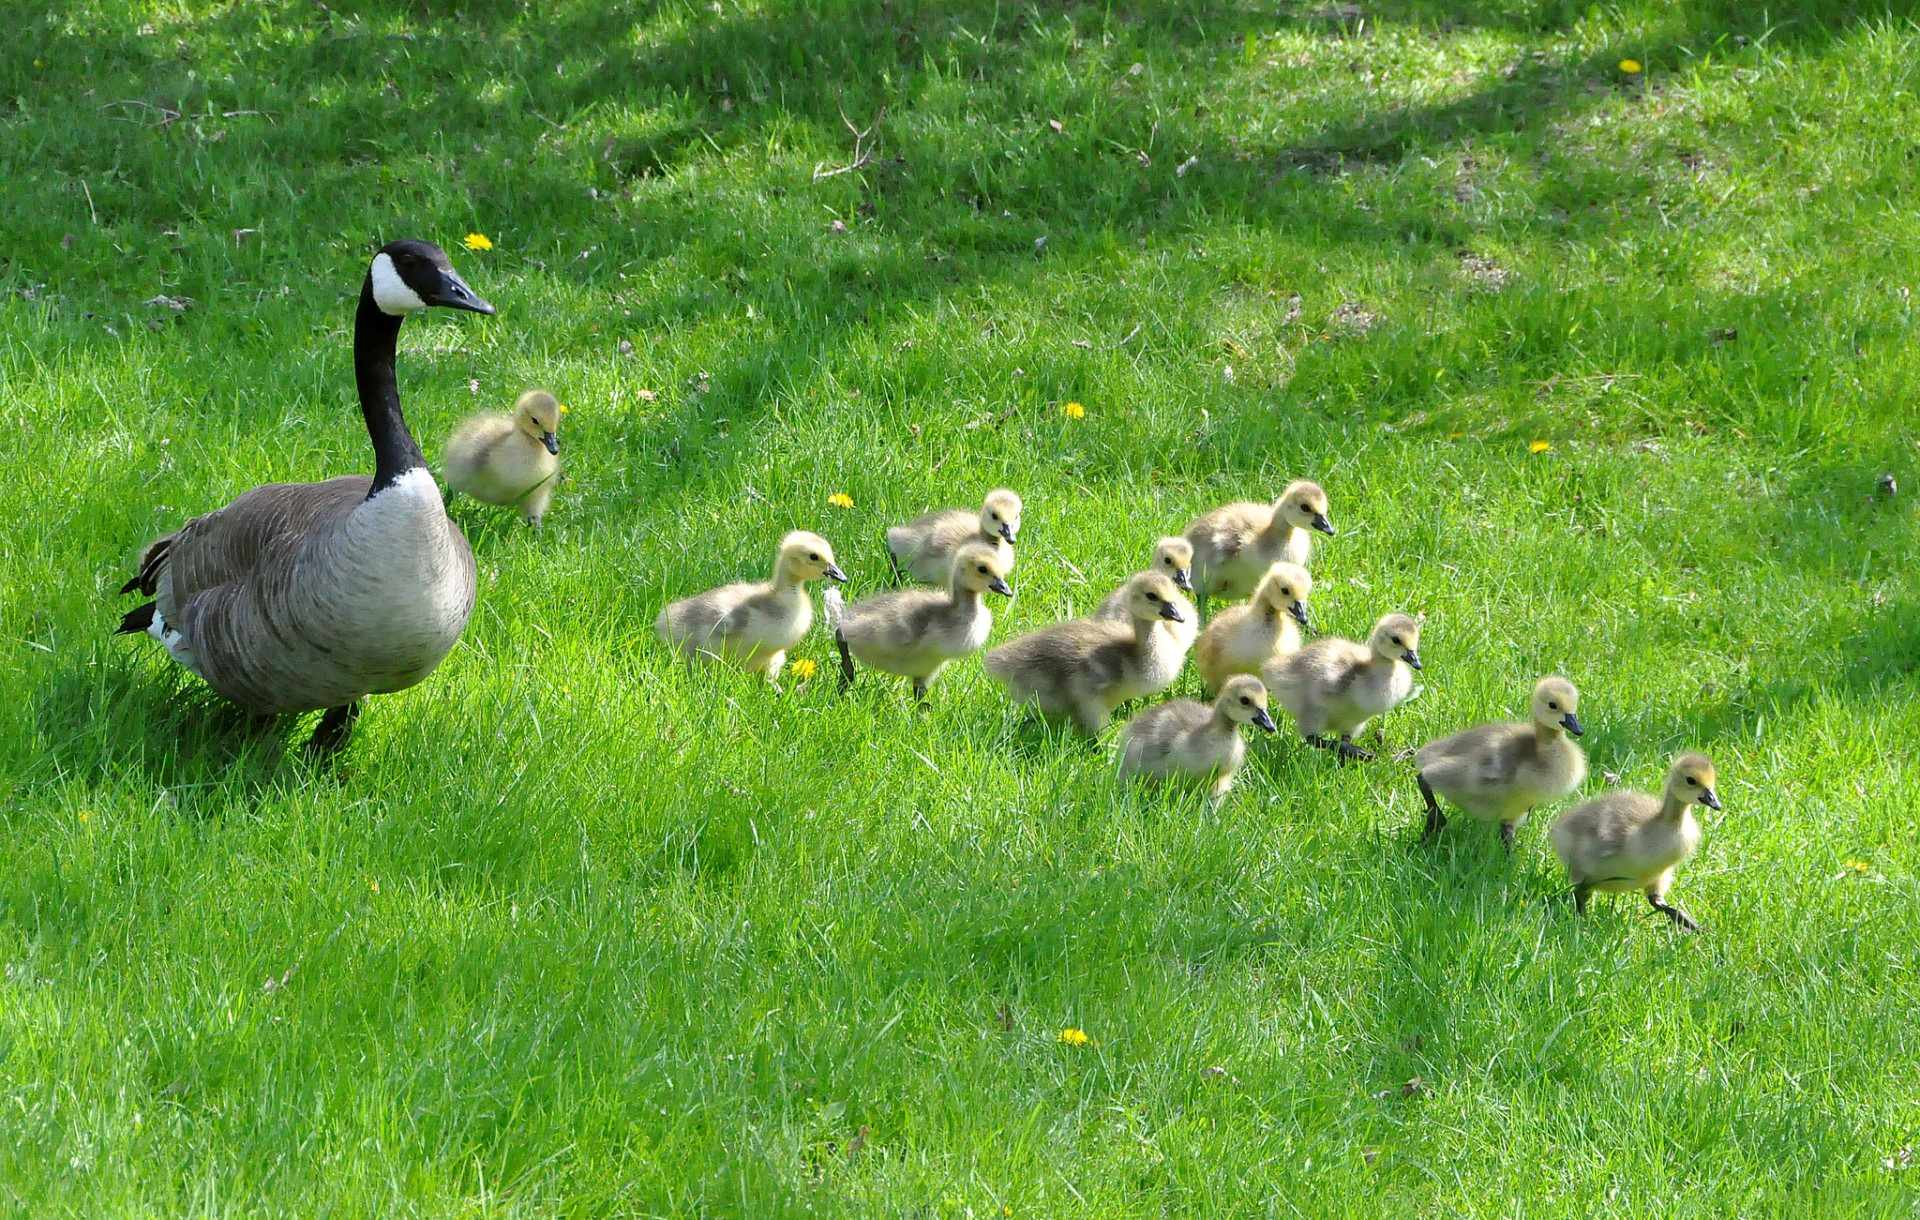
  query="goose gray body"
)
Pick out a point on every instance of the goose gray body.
point(300, 596)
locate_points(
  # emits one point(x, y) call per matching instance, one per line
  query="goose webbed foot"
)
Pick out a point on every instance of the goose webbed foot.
point(1680, 918)
point(333, 731)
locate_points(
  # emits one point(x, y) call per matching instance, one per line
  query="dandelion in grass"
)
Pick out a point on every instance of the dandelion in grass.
point(1857, 866)
point(803, 669)
point(1074, 410)
point(86, 815)
point(1630, 66)
point(565, 409)
point(373, 886)
point(1540, 447)
point(840, 499)
point(1455, 436)
point(1073, 1037)
point(477, 241)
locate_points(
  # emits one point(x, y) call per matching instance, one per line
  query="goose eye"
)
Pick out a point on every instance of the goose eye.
point(1396, 642)
point(814, 558)
point(1692, 782)
point(983, 569)
point(1153, 597)
point(1552, 706)
point(1244, 701)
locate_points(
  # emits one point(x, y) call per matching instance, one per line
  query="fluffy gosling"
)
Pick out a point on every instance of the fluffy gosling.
point(923, 548)
point(1171, 556)
point(1085, 668)
point(752, 624)
point(916, 632)
point(1332, 687)
point(1244, 639)
point(1631, 841)
point(509, 459)
point(1186, 740)
point(1500, 772)
point(1233, 546)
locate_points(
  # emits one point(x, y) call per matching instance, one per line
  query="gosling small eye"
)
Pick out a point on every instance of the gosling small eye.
point(1552, 706)
point(1153, 597)
point(1245, 702)
point(1397, 643)
point(983, 569)
point(1692, 782)
point(814, 557)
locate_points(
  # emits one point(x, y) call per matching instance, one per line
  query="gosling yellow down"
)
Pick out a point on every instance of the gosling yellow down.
point(510, 460)
point(1332, 687)
point(1500, 772)
point(752, 624)
point(1245, 639)
point(1184, 740)
point(1631, 841)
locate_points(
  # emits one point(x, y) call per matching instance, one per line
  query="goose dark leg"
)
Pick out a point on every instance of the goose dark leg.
point(334, 729)
point(846, 660)
point(1680, 918)
point(1436, 821)
point(1352, 753)
point(1580, 893)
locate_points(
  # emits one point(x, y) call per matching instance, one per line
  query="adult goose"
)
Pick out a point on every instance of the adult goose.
point(304, 596)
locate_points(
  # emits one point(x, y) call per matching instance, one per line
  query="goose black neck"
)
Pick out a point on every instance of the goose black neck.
point(375, 336)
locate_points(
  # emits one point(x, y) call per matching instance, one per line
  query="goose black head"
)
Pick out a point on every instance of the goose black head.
point(411, 274)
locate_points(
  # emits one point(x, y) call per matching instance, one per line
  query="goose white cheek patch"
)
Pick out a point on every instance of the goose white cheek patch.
point(390, 292)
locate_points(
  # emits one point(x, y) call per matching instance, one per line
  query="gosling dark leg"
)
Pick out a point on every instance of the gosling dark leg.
point(846, 659)
point(1352, 753)
point(1436, 821)
point(1580, 893)
point(334, 729)
point(895, 565)
point(1320, 741)
point(1680, 918)
point(1507, 832)
point(920, 691)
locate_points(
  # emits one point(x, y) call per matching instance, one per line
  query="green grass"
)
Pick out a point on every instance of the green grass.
point(581, 933)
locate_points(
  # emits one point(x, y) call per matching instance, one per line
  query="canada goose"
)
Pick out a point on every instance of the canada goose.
point(1085, 668)
point(1500, 771)
point(1235, 544)
point(1334, 686)
point(1187, 739)
point(752, 624)
point(301, 596)
point(1632, 841)
point(509, 459)
point(923, 548)
point(916, 632)
point(1172, 557)
point(1243, 639)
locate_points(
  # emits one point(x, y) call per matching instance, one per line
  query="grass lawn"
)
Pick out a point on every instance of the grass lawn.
point(578, 932)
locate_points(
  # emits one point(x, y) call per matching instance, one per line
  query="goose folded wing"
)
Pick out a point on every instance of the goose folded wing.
point(261, 527)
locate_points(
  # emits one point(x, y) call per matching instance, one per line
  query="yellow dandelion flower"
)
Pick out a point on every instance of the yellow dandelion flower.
point(803, 668)
point(374, 886)
point(840, 499)
point(1540, 447)
point(1074, 410)
point(1858, 866)
point(1630, 66)
point(565, 409)
point(1073, 1037)
point(86, 815)
point(1454, 436)
point(477, 241)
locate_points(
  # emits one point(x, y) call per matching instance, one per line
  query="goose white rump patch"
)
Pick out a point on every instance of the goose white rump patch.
point(390, 292)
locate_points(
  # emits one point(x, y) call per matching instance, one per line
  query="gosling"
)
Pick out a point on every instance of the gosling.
point(751, 625)
point(916, 632)
point(1173, 557)
point(1186, 740)
point(923, 548)
point(1233, 546)
point(1631, 841)
point(509, 459)
point(1085, 668)
point(1500, 772)
point(1332, 687)
point(1244, 639)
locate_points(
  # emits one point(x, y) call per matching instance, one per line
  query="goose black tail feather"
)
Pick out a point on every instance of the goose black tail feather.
point(148, 578)
point(136, 620)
